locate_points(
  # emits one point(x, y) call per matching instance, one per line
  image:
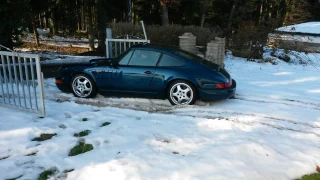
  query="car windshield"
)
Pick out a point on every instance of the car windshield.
point(118, 58)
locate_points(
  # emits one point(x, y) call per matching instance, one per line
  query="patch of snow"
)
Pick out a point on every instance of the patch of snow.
point(308, 27)
point(299, 38)
point(43, 31)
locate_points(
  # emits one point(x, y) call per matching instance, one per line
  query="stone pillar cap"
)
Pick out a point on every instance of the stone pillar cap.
point(187, 35)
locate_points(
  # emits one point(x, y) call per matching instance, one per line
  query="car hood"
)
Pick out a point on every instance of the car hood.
point(102, 61)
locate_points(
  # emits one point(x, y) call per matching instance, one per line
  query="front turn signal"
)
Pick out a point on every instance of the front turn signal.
point(59, 81)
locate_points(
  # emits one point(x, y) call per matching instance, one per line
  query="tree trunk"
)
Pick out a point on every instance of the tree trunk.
point(78, 15)
point(261, 11)
point(289, 7)
point(90, 26)
point(53, 23)
point(35, 32)
point(129, 12)
point(164, 15)
point(45, 20)
point(203, 12)
point(40, 21)
point(230, 20)
point(101, 24)
point(83, 19)
point(203, 17)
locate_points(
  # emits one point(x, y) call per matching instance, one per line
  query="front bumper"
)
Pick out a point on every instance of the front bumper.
point(62, 87)
point(218, 94)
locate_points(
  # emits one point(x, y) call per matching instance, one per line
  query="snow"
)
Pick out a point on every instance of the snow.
point(271, 130)
point(300, 38)
point(43, 31)
point(308, 27)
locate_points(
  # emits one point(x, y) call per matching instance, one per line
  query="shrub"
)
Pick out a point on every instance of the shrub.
point(82, 133)
point(315, 176)
point(252, 36)
point(44, 137)
point(45, 174)
point(105, 124)
point(80, 148)
point(165, 35)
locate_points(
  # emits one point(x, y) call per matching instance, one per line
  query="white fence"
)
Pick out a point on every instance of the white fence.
point(115, 47)
point(21, 82)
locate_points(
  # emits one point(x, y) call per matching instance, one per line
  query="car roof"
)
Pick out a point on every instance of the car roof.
point(156, 46)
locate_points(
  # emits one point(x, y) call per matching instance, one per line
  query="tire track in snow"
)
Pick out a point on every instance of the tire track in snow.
point(250, 123)
point(193, 111)
point(294, 122)
point(289, 102)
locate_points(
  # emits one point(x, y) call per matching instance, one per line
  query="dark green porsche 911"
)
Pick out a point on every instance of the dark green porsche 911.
point(149, 70)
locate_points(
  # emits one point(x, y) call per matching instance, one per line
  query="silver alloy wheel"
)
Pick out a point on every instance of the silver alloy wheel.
point(181, 94)
point(82, 86)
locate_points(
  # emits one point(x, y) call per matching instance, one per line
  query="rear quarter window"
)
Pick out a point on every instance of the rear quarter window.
point(169, 61)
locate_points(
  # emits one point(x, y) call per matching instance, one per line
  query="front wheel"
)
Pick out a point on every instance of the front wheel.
point(181, 93)
point(83, 86)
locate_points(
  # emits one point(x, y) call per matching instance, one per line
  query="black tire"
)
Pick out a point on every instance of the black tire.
point(83, 86)
point(181, 93)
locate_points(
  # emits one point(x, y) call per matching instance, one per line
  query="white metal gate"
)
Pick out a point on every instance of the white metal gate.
point(21, 82)
point(115, 47)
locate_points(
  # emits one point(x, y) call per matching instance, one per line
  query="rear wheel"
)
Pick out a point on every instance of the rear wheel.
point(83, 86)
point(181, 93)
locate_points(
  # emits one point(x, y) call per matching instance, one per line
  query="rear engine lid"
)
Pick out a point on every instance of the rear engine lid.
point(216, 67)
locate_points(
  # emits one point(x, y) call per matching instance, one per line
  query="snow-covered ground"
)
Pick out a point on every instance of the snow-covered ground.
point(305, 32)
point(307, 27)
point(271, 130)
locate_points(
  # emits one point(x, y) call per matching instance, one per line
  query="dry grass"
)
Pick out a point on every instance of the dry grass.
point(45, 47)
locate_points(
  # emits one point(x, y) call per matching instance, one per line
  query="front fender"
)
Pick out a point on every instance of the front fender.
point(67, 73)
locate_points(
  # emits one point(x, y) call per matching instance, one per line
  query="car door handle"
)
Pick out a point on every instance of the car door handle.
point(148, 72)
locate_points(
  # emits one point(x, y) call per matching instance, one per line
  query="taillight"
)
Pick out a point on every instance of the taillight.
point(59, 81)
point(220, 86)
point(224, 85)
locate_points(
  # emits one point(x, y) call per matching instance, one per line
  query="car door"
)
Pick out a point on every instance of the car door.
point(133, 73)
point(168, 67)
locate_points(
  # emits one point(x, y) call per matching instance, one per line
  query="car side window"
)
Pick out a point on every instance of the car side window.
point(144, 58)
point(169, 61)
point(126, 58)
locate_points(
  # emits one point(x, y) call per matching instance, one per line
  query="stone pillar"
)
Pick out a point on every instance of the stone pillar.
point(187, 42)
point(109, 44)
point(216, 50)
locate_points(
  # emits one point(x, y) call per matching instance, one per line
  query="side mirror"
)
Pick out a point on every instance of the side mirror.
point(114, 64)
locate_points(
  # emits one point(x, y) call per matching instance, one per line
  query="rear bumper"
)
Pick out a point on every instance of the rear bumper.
point(218, 94)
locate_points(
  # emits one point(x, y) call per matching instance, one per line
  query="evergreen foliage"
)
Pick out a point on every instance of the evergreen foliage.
point(71, 17)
